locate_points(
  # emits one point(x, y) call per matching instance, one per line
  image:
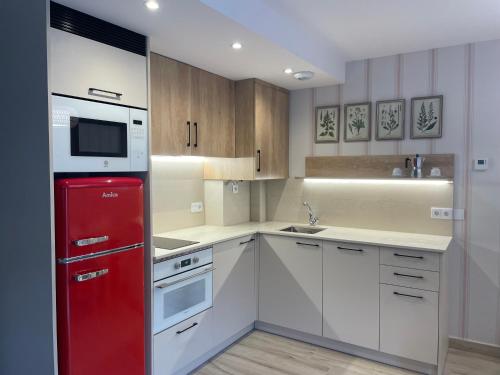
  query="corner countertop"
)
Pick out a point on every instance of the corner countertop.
point(207, 235)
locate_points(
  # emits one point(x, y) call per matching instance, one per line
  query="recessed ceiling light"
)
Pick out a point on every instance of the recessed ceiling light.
point(288, 71)
point(151, 4)
point(236, 45)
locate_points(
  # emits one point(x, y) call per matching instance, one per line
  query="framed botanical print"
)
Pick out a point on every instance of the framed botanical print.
point(357, 122)
point(390, 120)
point(427, 117)
point(327, 124)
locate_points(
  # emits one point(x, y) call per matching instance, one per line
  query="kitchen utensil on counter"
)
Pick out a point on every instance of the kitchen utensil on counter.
point(397, 172)
point(416, 163)
point(436, 172)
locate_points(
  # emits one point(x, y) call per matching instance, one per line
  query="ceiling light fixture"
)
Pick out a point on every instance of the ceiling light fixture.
point(288, 71)
point(151, 4)
point(236, 45)
point(304, 75)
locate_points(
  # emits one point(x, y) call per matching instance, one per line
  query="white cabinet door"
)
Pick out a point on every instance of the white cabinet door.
point(78, 64)
point(290, 284)
point(235, 300)
point(351, 294)
point(180, 345)
point(409, 323)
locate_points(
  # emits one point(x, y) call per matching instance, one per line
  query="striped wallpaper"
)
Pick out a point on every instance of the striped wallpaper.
point(469, 78)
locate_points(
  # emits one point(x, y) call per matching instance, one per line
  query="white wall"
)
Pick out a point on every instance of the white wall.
point(469, 78)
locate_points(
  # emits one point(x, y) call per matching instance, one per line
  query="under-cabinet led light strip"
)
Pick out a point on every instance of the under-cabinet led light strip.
point(379, 181)
point(197, 159)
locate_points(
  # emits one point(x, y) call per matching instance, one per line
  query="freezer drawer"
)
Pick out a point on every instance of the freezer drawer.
point(101, 315)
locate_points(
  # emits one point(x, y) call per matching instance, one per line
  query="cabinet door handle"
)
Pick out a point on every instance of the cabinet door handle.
point(408, 256)
point(188, 328)
point(258, 160)
point(105, 94)
point(348, 249)
point(245, 242)
point(307, 244)
point(407, 295)
point(189, 134)
point(404, 275)
point(195, 134)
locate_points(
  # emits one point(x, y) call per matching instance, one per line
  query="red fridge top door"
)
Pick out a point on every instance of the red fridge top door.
point(100, 306)
point(97, 214)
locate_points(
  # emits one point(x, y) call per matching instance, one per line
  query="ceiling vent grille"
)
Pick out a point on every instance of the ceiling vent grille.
point(87, 26)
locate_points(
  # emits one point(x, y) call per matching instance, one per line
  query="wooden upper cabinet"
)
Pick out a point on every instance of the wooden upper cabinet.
point(192, 110)
point(262, 127)
point(170, 106)
point(212, 113)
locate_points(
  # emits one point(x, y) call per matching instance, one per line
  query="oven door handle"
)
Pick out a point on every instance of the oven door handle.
point(166, 285)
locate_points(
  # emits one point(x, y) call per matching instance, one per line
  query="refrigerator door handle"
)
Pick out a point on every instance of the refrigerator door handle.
point(91, 241)
point(90, 275)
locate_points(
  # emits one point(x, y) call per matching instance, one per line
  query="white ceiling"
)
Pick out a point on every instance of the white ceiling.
point(192, 32)
point(373, 28)
point(317, 35)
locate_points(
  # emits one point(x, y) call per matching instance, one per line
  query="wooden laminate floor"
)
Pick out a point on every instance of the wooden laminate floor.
point(261, 353)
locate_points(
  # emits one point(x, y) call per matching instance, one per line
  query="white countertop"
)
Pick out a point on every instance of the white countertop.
point(207, 235)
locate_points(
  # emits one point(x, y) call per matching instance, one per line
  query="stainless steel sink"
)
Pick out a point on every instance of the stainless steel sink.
point(306, 230)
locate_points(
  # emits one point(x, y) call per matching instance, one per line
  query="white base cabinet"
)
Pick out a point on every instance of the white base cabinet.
point(78, 64)
point(290, 283)
point(235, 300)
point(178, 346)
point(351, 294)
point(409, 323)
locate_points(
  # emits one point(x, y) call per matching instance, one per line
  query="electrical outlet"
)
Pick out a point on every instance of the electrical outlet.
point(441, 213)
point(236, 188)
point(196, 207)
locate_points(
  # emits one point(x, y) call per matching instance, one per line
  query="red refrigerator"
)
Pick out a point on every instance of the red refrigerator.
point(100, 276)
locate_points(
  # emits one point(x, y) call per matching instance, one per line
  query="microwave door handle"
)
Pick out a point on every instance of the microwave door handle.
point(166, 285)
point(105, 93)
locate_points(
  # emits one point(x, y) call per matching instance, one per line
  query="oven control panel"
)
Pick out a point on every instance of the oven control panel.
point(183, 263)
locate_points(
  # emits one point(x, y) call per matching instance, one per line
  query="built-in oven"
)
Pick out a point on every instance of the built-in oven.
point(182, 288)
point(91, 136)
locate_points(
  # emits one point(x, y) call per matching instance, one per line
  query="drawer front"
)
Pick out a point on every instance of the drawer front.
point(420, 260)
point(409, 323)
point(178, 346)
point(410, 278)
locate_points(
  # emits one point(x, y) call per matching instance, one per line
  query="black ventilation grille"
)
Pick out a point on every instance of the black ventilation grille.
point(82, 24)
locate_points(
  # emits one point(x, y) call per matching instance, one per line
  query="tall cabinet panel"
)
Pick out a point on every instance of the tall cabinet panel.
point(170, 106)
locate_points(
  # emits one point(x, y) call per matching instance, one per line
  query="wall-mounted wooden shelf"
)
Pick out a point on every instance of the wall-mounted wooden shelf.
point(374, 166)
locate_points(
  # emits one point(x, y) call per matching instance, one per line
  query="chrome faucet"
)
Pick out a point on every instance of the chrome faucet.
point(313, 219)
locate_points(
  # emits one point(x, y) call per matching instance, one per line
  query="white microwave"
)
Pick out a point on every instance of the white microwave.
point(89, 136)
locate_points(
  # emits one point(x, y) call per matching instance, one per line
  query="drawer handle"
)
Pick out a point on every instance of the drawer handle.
point(409, 256)
point(348, 249)
point(188, 328)
point(245, 242)
point(412, 276)
point(189, 134)
point(105, 94)
point(307, 244)
point(407, 295)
